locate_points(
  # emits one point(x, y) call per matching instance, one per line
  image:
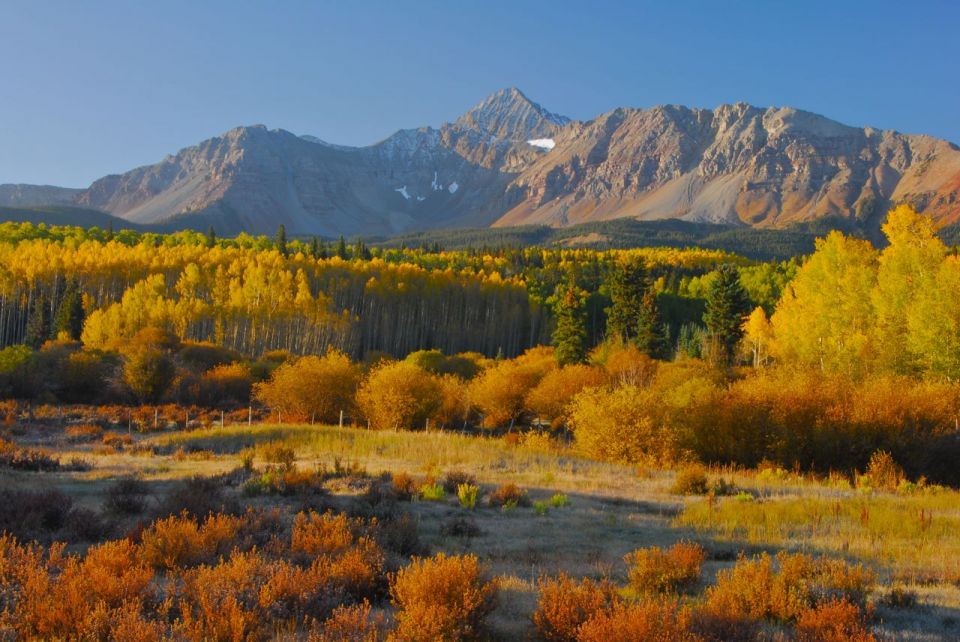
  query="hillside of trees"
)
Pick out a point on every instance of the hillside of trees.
point(651, 355)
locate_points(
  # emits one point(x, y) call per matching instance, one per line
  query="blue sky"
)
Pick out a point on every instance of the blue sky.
point(95, 87)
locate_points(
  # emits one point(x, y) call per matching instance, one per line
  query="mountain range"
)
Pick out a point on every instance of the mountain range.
point(508, 162)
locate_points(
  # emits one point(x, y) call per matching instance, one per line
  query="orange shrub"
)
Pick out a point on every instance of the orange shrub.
point(52, 596)
point(508, 495)
point(499, 391)
point(290, 592)
point(221, 602)
point(677, 568)
point(550, 398)
point(354, 623)
point(780, 589)
point(442, 598)
point(354, 561)
point(833, 621)
point(565, 604)
point(225, 385)
point(83, 432)
point(181, 541)
point(327, 534)
point(404, 485)
point(641, 622)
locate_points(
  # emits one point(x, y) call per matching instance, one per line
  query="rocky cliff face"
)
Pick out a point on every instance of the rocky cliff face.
point(508, 161)
point(734, 164)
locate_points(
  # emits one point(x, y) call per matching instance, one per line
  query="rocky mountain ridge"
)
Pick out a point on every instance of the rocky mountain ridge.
point(509, 161)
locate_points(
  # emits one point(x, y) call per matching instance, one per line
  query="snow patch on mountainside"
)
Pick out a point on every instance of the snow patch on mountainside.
point(543, 143)
point(403, 192)
point(453, 187)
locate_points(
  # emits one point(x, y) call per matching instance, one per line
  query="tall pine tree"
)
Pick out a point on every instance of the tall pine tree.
point(70, 315)
point(282, 239)
point(628, 282)
point(38, 323)
point(727, 306)
point(570, 335)
point(634, 316)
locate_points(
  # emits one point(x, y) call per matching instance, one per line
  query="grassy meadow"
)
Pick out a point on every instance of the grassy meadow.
point(578, 516)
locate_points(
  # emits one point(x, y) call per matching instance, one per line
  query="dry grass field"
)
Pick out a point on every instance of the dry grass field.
point(576, 516)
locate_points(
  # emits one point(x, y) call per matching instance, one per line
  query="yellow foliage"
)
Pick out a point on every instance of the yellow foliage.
point(312, 387)
point(399, 395)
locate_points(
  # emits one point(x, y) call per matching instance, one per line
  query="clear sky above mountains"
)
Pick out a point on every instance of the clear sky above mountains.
point(99, 87)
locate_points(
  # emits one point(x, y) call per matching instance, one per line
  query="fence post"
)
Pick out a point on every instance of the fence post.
point(156, 418)
point(222, 425)
point(249, 415)
point(341, 418)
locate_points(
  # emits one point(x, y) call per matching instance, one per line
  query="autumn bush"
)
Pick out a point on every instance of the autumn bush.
point(617, 425)
point(83, 432)
point(626, 365)
point(442, 598)
point(833, 621)
point(399, 395)
point(184, 541)
point(404, 485)
point(351, 623)
point(453, 479)
point(883, 472)
point(691, 480)
point(508, 494)
point(315, 388)
point(226, 385)
point(646, 621)
point(550, 398)
point(454, 408)
point(500, 391)
point(26, 459)
point(781, 588)
point(655, 570)
point(565, 604)
point(55, 596)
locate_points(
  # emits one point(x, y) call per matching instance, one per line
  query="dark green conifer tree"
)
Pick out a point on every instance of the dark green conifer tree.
point(70, 316)
point(38, 323)
point(570, 335)
point(727, 306)
point(282, 239)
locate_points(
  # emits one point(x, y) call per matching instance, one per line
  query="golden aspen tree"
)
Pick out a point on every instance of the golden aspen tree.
point(907, 269)
point(757, 336)
point(825, 318)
